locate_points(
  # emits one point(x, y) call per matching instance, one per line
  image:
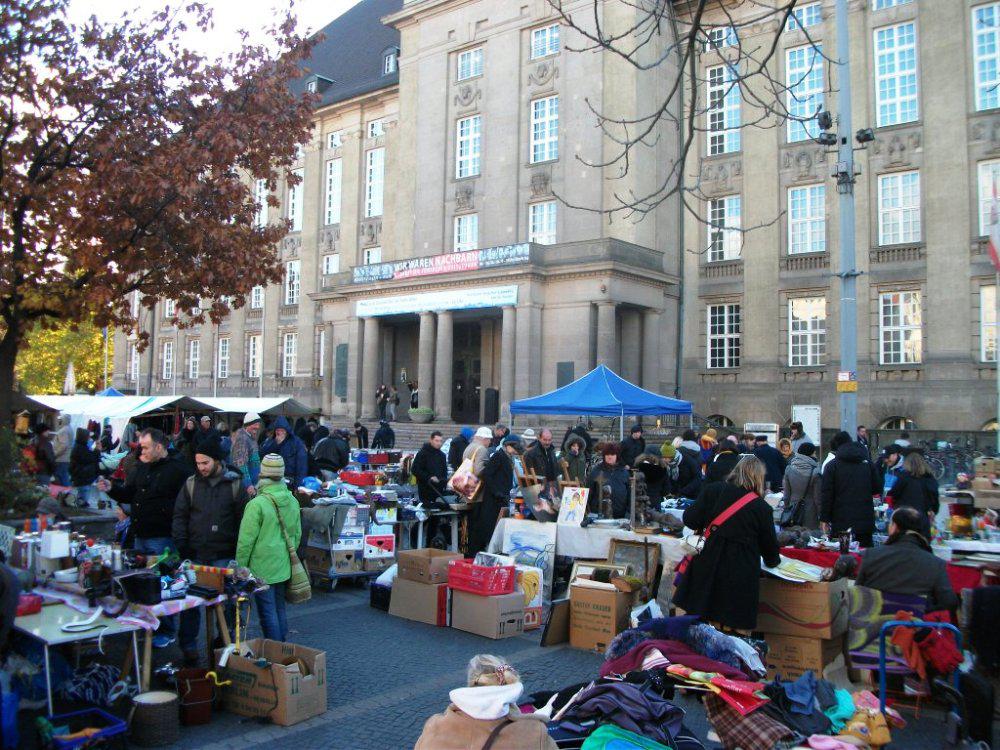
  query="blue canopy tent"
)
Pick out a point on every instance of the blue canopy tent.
point(109, 391)
point(603, 393)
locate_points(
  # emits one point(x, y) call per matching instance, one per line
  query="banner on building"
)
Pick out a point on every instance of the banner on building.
point(446, 299)
point(471, 260)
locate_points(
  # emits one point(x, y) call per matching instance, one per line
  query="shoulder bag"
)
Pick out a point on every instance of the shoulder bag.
point(299, 588)
point(791, 514)
point(695, 543)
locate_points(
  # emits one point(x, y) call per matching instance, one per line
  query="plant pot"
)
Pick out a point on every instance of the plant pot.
point(421, 417)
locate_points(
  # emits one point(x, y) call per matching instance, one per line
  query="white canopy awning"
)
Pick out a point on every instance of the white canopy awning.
point(283, 405)
point(117, 410)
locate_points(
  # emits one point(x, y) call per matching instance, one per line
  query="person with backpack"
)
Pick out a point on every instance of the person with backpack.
point(207, 515)
point(268, 517)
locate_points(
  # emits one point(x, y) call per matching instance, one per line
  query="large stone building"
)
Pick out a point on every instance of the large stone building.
point(761, 320)
point(428, 243)
point(433, 238)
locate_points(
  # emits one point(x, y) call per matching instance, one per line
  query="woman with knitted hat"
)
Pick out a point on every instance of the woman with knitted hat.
point(610, 474)
point(261, 544)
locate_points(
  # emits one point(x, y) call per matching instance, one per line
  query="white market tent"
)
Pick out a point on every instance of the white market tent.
point(271, 407)
point(117, 410)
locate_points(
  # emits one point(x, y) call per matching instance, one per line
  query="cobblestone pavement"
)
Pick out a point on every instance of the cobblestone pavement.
point(387, 675)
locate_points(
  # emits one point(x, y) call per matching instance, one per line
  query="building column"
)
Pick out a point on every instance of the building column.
point(607, 338)
point(528, 370)
point(651, 350)
point(631, 346)
point(487, 357)
point(425, 361)
point(507, 359)
point(369, 368)
point(443, 365)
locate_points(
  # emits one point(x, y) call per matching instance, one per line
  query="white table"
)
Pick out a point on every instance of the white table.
point(452, 515)
point(46, 626)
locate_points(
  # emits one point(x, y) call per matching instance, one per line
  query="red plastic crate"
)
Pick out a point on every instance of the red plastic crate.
point(378, 459)
point(358, 478)
point(464, 575)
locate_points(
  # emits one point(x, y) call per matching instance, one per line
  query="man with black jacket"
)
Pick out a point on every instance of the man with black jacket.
point(541, 459)
point(332, 453)
point(430, 467)
point(150, 495)
point(724, 461)
point(850, 481)
point(207, 515)
point(774, 462)
point(633, 446)
point(457, 448)
point(685, 473)
point(361, 433)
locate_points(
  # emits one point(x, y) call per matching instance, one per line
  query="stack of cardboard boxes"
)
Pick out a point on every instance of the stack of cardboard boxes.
point(803, 623)
point(985, 493)
point(355, 550)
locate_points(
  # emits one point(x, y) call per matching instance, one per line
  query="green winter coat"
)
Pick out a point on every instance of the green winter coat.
point(261, 546)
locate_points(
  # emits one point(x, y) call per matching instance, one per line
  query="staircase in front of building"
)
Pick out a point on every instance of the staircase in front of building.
point(410, 435)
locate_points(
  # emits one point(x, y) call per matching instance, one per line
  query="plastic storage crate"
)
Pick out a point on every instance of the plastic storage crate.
point(464, 575)
point(108, 726)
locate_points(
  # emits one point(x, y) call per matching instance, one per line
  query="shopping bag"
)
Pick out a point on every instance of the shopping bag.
point(464, 482)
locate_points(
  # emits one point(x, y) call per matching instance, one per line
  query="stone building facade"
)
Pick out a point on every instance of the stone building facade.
point(761, 310)
point(436, 249)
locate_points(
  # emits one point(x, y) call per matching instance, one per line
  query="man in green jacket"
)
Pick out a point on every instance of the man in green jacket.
point(261, 544)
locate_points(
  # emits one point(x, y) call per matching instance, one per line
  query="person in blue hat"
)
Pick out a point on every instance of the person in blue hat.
point(458, 445)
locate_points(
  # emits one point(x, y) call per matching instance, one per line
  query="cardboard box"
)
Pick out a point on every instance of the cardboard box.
point(597, 616)
point(289, 689)
point(982, 483)
point(984, 466)
point(349, 542)
point(489, 616)
point(422, 602)
point(791, 656)
point(377, 564)
point(425, 565)
point(319, 561)
point(807, 610)
point(348, 562)
point(380, 545)
point(987, 499)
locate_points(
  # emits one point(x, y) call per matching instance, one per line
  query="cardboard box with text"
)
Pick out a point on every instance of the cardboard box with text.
point(791, 656)
point(596, 616)
point(424, 565)
point(489, 616)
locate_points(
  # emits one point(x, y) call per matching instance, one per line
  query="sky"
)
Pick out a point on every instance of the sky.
point(230, 16)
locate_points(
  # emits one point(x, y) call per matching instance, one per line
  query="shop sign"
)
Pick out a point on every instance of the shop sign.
point(471, 260)
point(448, 299)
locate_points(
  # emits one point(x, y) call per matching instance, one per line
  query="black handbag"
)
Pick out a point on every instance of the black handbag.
point(792, 513)
point(141, 587)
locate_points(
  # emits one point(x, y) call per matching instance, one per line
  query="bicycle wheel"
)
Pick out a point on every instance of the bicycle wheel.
point(936, 465)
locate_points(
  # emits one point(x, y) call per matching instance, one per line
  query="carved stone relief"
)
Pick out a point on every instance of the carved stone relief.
point(371, 231)
point(464, 197)
point(468, 94)
point(541, 183)
point(543, 72)
point(329, 239)
point(899, 149)
point(721, 173)
point(805, 161)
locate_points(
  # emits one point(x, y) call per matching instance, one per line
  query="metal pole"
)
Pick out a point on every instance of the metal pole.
point(845, 187)
point(105, 332)
point(215, 363)
point(996, 346)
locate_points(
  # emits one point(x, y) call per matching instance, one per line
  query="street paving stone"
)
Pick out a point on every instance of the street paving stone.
point(386, 676)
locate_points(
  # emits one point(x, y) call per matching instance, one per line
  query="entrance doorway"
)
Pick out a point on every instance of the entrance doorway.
point(466, 373)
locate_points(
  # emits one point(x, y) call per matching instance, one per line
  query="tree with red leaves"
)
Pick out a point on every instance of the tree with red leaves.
point(126, 166)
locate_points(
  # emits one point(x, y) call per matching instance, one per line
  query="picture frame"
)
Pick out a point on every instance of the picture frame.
point(642, 557)
point(587, 567)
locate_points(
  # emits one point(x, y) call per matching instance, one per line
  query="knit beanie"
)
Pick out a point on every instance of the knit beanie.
point(668, 451)
point(211, 448)
point(272, 466)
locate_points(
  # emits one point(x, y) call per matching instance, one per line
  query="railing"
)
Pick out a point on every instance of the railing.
point(896, 254)
point(812, 262)
point(722, 269)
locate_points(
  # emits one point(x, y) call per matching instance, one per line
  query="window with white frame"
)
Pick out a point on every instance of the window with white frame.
point(169, 308)
point(468, 145)
point(331, 263)
point(253, 356)
point(804, 16)
point(167, 360)
point(988, 323)
point(376, 128)
point(986, 55)
point(222, 363)
point(260, 198)
point(807, 219)
point(319, 352)
point(300, 151)
point(989, 185)
point(133, 304)
point(133, 362)
point(293, 276)
point(806, 331)
point(544, 41)
point(883, 4)
point(723, 110)
point(724, 221)
point(295, 202)
point(374, 181)
point(390, 62)
point(193, 358)
point(900, 335)
point(896, 74)
point(723, 336)
point(899, 208)
point(545, 129)
point(719, 37)
point(466, 232)
point(256, 298)
point(334, 172)
point(311, 86)
point(470, 64)
point(804, 79)
point(289, 352)
point(542, 223)
point(371, 255)
point(335, 139)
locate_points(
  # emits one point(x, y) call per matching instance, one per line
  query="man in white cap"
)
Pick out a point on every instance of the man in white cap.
point(244, 456)
point(478, 449)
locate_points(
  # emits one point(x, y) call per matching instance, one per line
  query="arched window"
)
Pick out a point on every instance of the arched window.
point(897, 423)
point(721, 419)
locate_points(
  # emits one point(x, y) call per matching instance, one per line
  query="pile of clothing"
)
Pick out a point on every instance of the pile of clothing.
point(643, 667)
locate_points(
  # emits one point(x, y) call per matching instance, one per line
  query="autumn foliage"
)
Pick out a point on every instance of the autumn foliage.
point(126, 165)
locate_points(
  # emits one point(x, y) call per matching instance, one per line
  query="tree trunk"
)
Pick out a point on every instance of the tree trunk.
point(8, 357)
